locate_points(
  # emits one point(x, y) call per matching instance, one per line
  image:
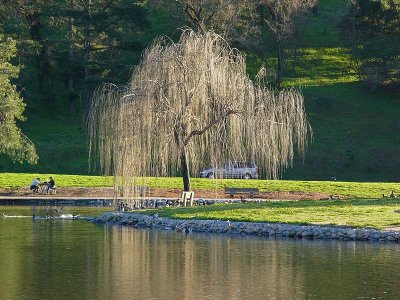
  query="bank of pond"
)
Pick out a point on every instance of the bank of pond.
point(249, 228)
point(362, 220)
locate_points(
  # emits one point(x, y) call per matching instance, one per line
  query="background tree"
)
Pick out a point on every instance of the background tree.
point(221, 16)
point(70, 46)
point(350, 33)
point(27, 22)
point(109, 33)
point(373, 27)
point(279, 17)
point(191, 104)
point(13, 142)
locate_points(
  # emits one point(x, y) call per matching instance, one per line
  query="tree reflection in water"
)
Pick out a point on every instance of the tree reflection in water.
point(60, 259)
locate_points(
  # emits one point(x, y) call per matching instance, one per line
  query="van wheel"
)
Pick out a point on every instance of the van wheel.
point(210, 175)
point(246, 176)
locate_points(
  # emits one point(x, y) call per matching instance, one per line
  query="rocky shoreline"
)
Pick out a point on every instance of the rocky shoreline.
point(249, 228)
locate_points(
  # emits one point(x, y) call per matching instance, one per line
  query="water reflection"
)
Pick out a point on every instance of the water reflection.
point(60, 259)
point(151, 264)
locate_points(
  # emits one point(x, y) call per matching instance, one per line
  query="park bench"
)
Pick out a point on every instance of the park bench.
point(251, 192)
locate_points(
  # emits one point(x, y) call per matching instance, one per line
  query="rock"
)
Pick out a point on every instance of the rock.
point(247, 228)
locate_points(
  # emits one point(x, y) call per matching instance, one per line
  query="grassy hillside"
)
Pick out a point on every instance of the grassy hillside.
point(355, 131)
point(355, 135)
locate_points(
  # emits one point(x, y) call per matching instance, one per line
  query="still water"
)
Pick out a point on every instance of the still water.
point(73, 259)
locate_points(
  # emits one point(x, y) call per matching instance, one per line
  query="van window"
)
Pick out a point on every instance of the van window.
point(250, 164)
point(228, 165)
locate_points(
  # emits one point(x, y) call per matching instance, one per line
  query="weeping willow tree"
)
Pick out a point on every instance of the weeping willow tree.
point(189, 105)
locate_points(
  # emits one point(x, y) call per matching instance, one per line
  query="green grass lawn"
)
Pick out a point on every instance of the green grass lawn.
point(361, 190)
point(354, 213)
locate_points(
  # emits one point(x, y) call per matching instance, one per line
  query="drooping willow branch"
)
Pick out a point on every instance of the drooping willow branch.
point(189, 105)
point(209, 126)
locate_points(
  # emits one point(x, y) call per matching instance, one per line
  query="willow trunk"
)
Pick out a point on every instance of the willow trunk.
point(185, 170)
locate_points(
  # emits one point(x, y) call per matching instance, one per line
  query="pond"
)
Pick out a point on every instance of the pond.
point(76, 259)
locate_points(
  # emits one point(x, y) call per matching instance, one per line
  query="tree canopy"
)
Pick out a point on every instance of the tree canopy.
point(190, 104)
point(13, 142)
point(373, 28)
point(71, 46)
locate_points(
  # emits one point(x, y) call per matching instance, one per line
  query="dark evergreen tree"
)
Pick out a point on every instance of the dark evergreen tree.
point(12, 142)
point(70, 46)
point(110, 37)
point(373, 29)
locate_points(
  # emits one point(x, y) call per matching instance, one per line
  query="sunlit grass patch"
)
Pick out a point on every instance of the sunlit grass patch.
point(311, 67)
point(355, 213)
point(321, 66)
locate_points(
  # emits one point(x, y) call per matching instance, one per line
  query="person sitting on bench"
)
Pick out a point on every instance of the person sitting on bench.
point(35, 185)
point(51, 185)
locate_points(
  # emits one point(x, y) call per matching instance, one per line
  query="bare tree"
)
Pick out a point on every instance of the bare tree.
point(279, 16)
point(222, 16)
point(71, 58)
point(350, 34)
point(191, 104)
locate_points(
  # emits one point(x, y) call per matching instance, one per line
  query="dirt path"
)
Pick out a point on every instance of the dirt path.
point(167, 193)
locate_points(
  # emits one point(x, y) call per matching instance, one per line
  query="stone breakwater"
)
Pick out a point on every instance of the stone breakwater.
point(249, 228)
